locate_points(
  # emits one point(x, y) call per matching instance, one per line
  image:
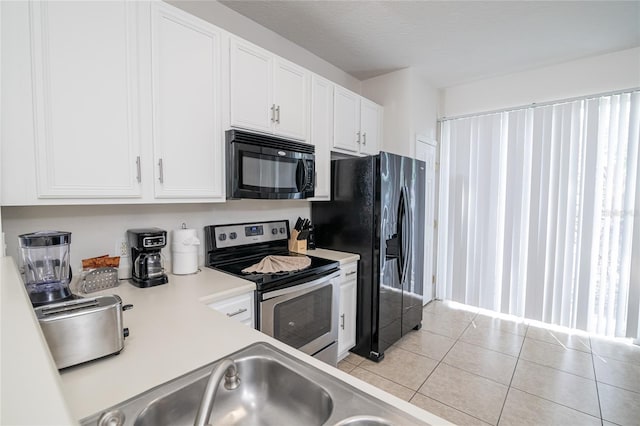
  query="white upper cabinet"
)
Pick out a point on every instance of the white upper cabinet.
point(186, 78)
point(268, 94)
point(86, 99)
point(357, 123)
point(322, 134)
point(290, 96)
point(346, 120)
point(251, 87)
point(370, 127)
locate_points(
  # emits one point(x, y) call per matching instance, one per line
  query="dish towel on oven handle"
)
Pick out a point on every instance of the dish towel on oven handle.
point(273, 264)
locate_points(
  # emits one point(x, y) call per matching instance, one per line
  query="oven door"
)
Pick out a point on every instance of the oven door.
point(270, 172)
point(304, 316)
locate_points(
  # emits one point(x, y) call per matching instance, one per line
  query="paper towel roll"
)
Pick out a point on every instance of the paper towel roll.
point(184, 251)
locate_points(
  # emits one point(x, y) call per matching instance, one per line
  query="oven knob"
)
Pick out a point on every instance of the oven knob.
point(282, 230)
point(274, 231)
point(222, 237)
point(233, 235)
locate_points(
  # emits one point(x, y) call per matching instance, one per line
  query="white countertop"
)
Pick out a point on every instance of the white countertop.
point(340, 256)
point(172, 332)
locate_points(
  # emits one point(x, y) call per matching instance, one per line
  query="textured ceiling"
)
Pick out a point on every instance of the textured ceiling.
point(450, 42)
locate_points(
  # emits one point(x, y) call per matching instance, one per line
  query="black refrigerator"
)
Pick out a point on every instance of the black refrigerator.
point(377, 211)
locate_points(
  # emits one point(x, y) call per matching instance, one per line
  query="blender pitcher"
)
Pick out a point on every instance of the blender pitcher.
point(45, 258)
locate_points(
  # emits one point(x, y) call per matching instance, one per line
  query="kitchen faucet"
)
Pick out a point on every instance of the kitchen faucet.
point(227, 368)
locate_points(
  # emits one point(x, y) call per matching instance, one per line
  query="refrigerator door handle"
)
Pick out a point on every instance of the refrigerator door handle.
point(406, 216)
point(402, 211)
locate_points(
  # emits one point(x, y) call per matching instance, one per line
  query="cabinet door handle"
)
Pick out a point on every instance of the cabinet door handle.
point(342, 321)
point(273, 113)
point(160, 166)
point(238, 312)
point(358, 139)
point(364, 138)
point(350, 273)
point(138, 173)
point(278, 114)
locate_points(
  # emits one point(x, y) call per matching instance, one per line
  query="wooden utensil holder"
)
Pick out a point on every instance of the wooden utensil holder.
point(295, 245)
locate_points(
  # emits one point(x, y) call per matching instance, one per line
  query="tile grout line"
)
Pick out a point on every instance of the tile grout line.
point(446, 353)
point(556, 403)
point(595, 378)
point(512, 376)
point(613, 386)
point(558, 369)
point(441, 362)
point(452, 407)
point(561, 345)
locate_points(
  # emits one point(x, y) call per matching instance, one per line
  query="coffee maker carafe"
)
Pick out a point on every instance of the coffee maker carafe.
point(45, 258)
point(148, 264)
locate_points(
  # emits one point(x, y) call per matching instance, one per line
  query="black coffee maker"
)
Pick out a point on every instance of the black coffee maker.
point(148, 265)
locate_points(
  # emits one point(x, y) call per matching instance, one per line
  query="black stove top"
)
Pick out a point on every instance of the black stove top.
point(318, 267)
point(232, 248)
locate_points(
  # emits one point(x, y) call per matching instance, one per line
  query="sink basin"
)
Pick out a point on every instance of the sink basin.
point(276, 388)
point(269, 394)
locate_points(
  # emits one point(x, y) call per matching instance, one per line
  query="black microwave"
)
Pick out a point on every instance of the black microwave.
point(267, 167)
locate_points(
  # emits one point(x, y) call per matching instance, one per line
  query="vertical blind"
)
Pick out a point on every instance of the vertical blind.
point(537, 212)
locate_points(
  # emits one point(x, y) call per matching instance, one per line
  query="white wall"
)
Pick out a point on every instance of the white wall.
point(96, 229)
point(235, 23)
point(425, 100)
point(598, 74)
point(410, 108)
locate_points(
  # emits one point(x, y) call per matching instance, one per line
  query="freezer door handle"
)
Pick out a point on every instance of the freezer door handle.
point(404, 238)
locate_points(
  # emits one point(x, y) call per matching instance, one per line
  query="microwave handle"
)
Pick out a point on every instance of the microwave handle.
point(301, 175)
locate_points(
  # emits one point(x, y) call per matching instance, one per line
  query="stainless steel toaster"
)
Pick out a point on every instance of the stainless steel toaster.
point(81, 330)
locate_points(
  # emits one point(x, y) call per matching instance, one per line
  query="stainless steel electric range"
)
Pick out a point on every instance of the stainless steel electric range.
point(299, 308)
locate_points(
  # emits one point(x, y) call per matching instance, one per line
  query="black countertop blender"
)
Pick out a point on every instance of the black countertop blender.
point(45, 260)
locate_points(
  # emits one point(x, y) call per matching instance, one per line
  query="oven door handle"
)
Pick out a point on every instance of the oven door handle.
point(300, 287)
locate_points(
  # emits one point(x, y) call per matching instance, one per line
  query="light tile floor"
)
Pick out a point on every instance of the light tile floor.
point(473, 369)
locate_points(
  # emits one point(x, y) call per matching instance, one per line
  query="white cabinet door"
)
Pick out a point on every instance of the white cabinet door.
point(187, 136)
point(251, 87)
point(347, 320)
point(370, 127)
point(348, 306)
point(322, 134)
point(86, 99)
point(346, 119)
point(290, 95)
point(238, 308)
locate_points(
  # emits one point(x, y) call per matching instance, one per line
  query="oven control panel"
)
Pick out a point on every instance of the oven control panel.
point(250, 233)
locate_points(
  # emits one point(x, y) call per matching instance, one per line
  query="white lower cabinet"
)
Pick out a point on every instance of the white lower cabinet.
point(239, 308)
point(347, 311)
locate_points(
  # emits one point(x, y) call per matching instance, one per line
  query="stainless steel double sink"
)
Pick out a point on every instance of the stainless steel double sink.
point(275, 389)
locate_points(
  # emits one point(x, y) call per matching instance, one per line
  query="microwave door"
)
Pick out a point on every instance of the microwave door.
point(263, 167)
point(266, 174)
